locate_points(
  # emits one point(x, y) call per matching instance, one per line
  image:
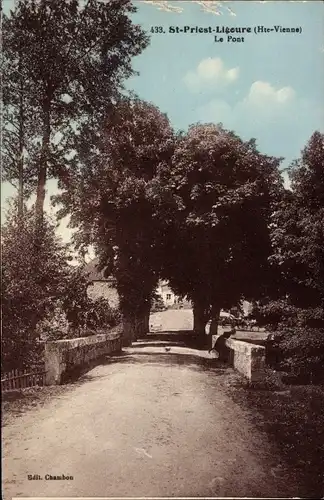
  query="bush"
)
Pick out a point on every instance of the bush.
point(101, 315)
point(96, 315)
point(298, 338)
point(33, 278)
point(43, 297)
point(303, 353)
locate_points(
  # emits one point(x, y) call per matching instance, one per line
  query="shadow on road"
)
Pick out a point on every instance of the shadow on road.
point(142, 343)
point(184, 337)
point(151, 353)
point(212, 366)
point(154, 348)
point(180, 359)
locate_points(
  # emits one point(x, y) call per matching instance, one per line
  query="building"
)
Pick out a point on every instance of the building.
point(168, 296)
point(170, 299)
point(99, 286)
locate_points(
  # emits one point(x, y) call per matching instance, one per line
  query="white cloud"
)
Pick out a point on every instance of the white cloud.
point(210, 73)
point(264, 94)
point(275, 116)
point(262, 105)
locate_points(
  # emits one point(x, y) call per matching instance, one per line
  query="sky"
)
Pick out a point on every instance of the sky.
point(269, 86)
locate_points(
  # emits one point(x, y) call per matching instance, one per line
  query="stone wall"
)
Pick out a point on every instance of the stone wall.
point(247, 358)
point(64, 356)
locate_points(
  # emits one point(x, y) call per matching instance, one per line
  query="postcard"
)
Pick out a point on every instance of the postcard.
point(162, 249)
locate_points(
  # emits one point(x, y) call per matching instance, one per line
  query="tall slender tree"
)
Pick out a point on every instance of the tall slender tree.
point(19, 130)
point(75, 57)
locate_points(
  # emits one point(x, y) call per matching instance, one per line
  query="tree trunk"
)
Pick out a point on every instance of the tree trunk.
point(40, 196)
point(21, 151)
point(199, 320)
point(199, 323)
point(142, 319)
point(142, 325)
point(129, 328)
point(42, 173)
point(138, 327)
point(147, 324)
point(146, 318)
point(215, 312)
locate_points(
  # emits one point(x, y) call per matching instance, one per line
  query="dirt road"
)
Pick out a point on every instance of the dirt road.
point(149, 423)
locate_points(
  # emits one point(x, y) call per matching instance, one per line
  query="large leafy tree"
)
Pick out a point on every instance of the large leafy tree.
point(298, 241)
point(111, 194)
point(73, 57)
point(218, 241)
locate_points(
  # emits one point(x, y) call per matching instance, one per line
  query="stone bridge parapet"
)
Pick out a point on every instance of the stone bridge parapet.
point(247, 358)
point(63, 356)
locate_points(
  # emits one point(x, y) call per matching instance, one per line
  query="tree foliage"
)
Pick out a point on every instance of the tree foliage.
point(30, 289)
point(65, 64)
point(298, 241)
point(218, 240)
point(69, 59)
point(43, 297)
point(111, 197)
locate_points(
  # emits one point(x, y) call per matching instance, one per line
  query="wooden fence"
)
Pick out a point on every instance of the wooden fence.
point(20, 379)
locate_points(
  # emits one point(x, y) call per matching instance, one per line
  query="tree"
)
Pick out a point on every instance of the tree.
point(111, 196)
point(30, 289)
point(298, 242)
point(218, 241)
point(19, 131)
point(74, 56)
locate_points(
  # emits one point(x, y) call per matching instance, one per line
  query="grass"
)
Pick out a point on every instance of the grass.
point(293, 418)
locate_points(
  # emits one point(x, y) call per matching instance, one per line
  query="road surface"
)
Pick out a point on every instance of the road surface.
point(182, 319)
point(149, 422)
point(171, 320)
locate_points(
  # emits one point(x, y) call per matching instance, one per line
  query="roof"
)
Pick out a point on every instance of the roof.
point(94, 274)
